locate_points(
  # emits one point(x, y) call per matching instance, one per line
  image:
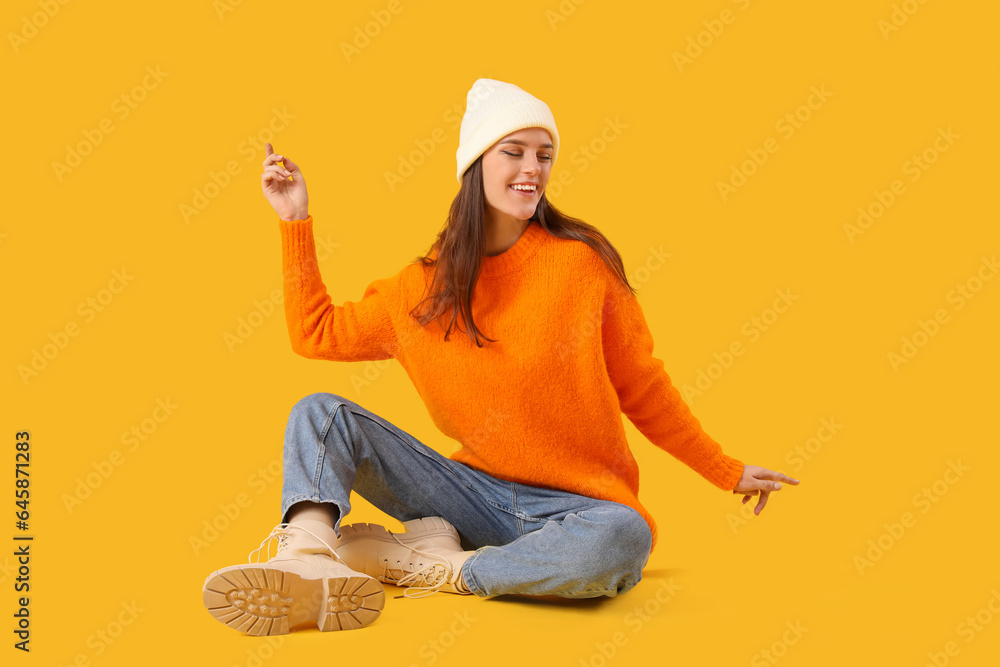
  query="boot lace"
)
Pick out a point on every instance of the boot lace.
point(422, 582)
point(283, 534)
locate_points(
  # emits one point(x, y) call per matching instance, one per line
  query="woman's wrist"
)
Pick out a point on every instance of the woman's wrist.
point(300, 215)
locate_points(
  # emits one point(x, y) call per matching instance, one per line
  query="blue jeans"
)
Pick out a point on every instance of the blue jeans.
point(527, 540)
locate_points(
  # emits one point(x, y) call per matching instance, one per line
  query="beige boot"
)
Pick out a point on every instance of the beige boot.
point(305, 582)
point(428, 557)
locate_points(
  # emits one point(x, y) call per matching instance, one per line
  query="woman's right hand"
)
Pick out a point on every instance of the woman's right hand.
point(287, 197)
point(760, 480)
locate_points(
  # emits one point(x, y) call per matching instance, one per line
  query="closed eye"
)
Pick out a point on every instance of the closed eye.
point(540, 157)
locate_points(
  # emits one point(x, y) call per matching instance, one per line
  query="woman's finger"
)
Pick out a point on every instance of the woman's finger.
point(272, 175)
point(273, 158)
point(278, 169)
point(775, 476)
point(764, 483)
point(760, 503)
point(778, 477)
point(290, 165)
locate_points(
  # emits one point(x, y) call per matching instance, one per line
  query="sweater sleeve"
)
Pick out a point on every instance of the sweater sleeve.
point(355, 331)
point(648, 397)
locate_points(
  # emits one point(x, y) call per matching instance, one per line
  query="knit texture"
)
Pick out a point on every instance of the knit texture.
point(541, 406)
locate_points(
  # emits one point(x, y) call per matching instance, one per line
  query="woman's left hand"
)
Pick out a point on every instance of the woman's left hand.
point(760, 480)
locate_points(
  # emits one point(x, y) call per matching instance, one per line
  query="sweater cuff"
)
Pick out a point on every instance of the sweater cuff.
point(725, 473)
point(307, 219)
point(297, 237)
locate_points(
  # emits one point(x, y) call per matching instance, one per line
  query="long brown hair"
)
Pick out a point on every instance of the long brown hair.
point(461, 245)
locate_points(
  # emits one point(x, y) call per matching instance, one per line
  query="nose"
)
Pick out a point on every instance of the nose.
point(532, 166)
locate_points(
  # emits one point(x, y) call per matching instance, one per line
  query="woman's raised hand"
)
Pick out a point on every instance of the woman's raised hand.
point(287, 197)
point(760, 480)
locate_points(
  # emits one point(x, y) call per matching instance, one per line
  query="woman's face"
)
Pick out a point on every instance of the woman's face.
point(523, 157)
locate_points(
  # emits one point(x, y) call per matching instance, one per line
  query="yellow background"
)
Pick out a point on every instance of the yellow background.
point(740, 582)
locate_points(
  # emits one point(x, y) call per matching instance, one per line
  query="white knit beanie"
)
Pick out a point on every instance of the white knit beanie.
point(493, 110)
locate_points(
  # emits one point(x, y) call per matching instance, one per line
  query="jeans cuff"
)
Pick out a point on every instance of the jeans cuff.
point(289, 502)
point(470, 579)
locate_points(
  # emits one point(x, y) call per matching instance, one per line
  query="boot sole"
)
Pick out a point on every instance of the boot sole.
point(261, 601)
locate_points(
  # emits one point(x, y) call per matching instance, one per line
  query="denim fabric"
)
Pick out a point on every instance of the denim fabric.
point(527, 540)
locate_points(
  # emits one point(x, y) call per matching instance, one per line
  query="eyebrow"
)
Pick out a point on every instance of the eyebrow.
point(522, 143)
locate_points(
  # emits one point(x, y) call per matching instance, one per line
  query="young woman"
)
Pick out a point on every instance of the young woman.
point(526, 342)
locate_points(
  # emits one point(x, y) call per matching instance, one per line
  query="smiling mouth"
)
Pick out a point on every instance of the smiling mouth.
point(527, 191)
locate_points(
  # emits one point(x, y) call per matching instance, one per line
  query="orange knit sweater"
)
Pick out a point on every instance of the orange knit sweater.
point(542, 406)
